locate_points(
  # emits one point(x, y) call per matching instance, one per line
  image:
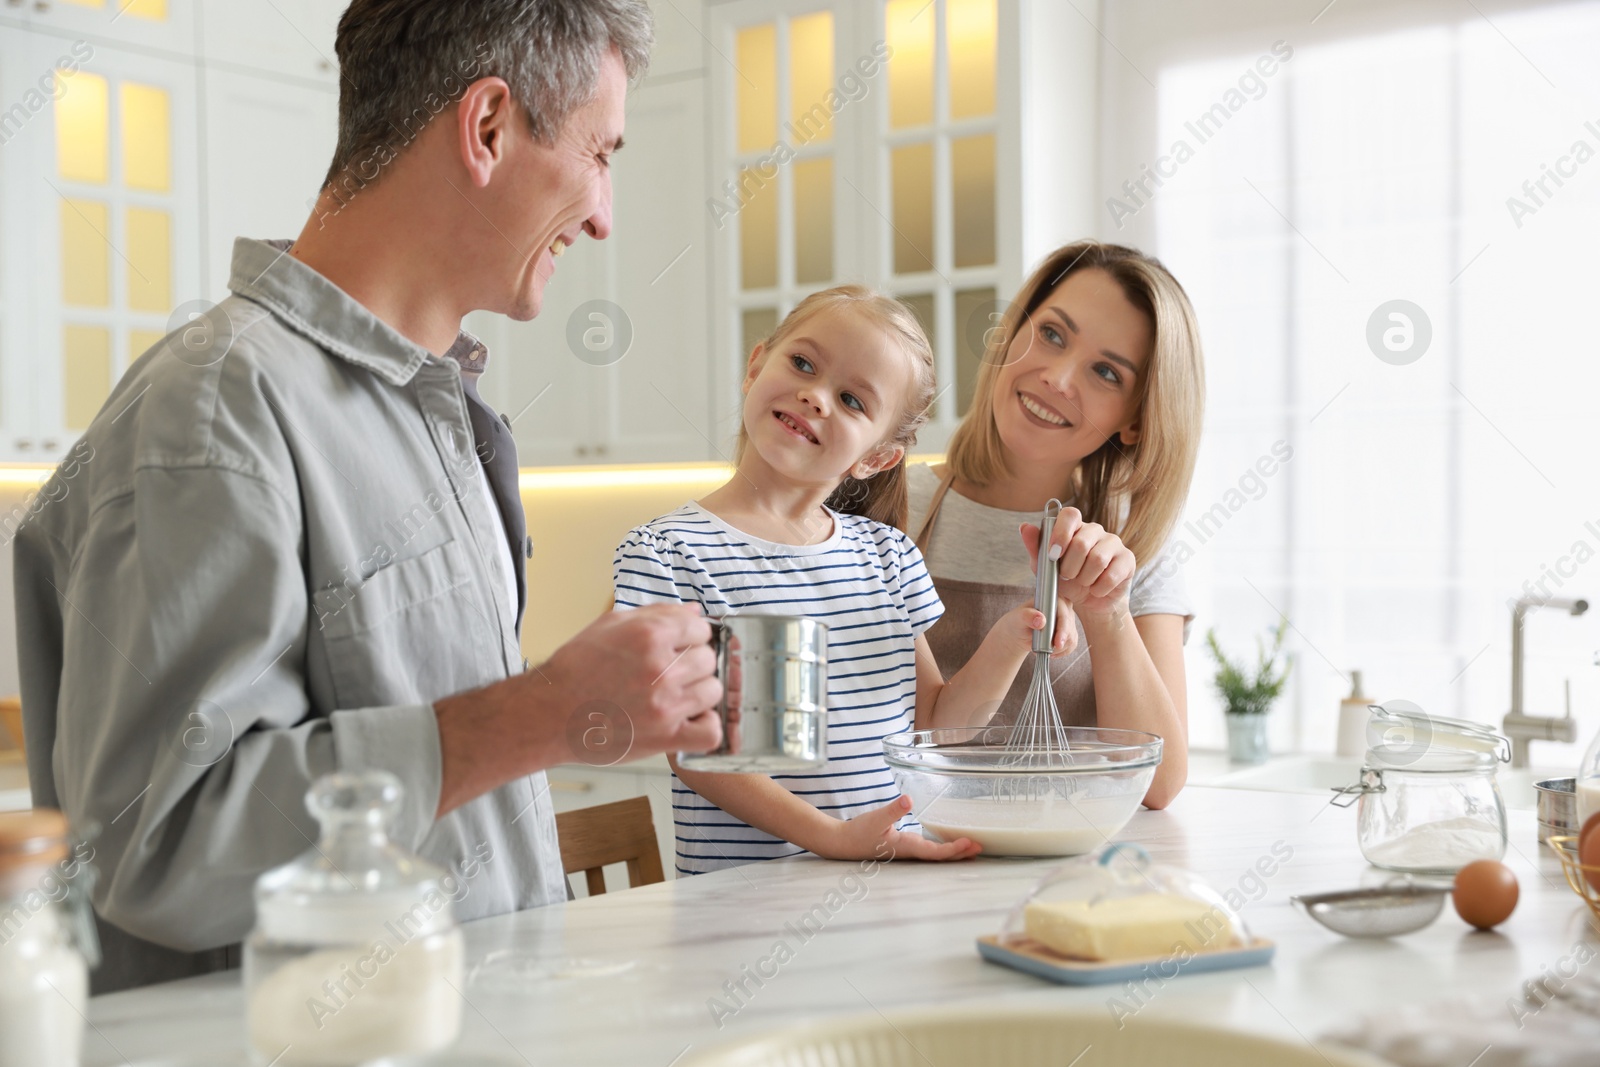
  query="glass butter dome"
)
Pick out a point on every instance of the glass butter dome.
point(1116, 903)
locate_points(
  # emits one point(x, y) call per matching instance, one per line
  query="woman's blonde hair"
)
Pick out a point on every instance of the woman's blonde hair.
point(1135, 491)
point(882, 497)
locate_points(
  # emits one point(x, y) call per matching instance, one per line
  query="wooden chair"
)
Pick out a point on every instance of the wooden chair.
point(622, 832)
point(11, 723)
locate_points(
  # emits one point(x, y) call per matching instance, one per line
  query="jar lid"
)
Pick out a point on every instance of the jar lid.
point(34, 838)
point(1408, 757)
point(1400, 723)
point(355, 885)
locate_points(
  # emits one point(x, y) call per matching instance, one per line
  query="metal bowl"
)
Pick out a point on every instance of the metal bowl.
point(968, 783)
point(1382, 911)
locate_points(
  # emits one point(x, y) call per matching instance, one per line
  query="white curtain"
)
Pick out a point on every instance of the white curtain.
point(1437, 154)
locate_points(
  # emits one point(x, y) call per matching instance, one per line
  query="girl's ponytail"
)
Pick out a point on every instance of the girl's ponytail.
point(884, 497)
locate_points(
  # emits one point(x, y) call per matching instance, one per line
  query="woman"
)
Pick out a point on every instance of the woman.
point(1091, 392)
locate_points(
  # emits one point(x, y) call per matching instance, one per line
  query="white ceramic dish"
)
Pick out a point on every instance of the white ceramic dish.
point(1047, 1036)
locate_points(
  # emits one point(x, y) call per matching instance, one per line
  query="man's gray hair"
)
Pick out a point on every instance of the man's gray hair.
point(402, 62)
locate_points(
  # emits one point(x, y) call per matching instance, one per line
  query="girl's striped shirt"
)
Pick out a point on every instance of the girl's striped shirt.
point(867, 582)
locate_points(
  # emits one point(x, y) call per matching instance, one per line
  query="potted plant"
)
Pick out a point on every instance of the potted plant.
point(1247, 696)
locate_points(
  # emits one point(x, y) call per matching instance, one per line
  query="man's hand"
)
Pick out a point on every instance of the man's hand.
point(644, 678)
point(653, 663)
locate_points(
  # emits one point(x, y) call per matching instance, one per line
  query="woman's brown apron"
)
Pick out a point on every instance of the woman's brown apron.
point(972, 608)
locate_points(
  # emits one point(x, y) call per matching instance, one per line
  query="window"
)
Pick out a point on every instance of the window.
point(1430, 162)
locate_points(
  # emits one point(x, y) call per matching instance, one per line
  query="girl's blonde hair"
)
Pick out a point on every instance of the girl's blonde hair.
point(882, 497)
point(1135, 491)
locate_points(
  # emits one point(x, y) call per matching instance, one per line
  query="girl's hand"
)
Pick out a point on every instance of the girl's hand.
point(871, 835)
point(1020, 623)
point(1095, 569)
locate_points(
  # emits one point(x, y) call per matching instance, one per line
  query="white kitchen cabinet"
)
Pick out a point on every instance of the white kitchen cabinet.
point(268, 144)
point(285, 39)
point(535, 380)
point(679, 49)
point(656, 400)
point(111, 234)
point(580, 786)
point(616, 364)
point(164, 25)
point(112, 222)
point(19, 271)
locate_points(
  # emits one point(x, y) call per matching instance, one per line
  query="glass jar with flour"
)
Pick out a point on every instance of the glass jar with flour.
point(356, 953)
point(1428, 811)
point(47, 939)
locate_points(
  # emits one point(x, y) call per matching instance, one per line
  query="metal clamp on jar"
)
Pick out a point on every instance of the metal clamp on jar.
point(1428, 801)
point(774, 708)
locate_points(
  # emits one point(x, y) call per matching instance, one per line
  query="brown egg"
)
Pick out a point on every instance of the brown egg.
point(1485, 894)
point(1589, 849)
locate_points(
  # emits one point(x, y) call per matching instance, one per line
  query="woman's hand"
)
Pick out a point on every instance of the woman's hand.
point(871, 835)
point(1094, 569)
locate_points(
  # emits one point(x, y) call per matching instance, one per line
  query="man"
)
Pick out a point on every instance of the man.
point(291, 542)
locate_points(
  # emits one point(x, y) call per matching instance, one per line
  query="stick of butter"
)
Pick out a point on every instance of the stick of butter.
point(1149, 924)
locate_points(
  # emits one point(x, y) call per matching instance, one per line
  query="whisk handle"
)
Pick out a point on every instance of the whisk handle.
point(1044, 593)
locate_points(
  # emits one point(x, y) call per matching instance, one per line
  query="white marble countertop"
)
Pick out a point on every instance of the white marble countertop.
point(629, 977)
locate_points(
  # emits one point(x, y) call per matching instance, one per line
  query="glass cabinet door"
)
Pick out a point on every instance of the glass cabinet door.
point(787, 119)
point(938, 158)
point(857, 143)
point(115, 241)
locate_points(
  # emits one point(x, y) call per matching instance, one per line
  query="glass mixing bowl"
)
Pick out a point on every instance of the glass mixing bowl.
point(968, 783)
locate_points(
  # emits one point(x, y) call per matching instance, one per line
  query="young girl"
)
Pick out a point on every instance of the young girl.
point(808, 525)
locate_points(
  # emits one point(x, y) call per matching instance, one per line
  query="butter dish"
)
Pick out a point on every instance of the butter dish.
point(1114, 915)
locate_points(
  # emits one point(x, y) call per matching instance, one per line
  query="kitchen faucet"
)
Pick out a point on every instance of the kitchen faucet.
point(1519, 726)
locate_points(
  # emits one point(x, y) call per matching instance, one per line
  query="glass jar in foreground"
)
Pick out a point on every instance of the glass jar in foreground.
point(1428, 812)
point(1586, 784)
point(356, 953)
point(47, 940)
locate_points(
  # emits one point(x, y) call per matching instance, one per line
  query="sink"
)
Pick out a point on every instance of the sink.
point(1021, 1037)
point(1322, 774)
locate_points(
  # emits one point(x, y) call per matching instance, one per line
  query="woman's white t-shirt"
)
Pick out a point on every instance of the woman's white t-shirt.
point(866, 582)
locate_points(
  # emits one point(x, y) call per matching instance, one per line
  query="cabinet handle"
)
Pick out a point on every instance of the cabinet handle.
point(599, 450)
point(51, 446)
point(24, 445)
point(583, 450)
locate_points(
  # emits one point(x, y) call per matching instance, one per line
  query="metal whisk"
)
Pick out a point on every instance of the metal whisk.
point(1038, 731)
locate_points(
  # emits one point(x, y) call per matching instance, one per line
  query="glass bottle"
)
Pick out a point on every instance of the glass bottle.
point(356, 953)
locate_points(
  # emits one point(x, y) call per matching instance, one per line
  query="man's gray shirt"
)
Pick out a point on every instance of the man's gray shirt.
point(256, 568)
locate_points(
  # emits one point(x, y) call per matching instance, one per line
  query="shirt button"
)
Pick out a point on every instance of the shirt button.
point(505, 419)
point(528, 549)
point(525, 664)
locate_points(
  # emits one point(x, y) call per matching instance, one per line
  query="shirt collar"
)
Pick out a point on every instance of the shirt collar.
point(311, 305)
